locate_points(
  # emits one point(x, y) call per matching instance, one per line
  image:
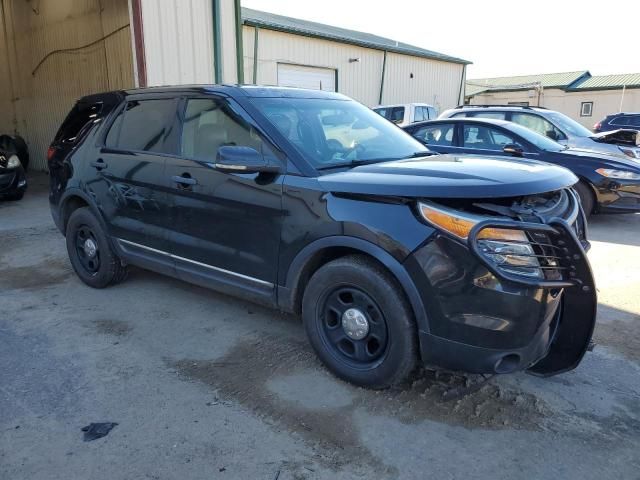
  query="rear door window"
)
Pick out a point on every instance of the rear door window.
point(440, 134)
point(494, 115)
point(485, 138)
point(144, 126)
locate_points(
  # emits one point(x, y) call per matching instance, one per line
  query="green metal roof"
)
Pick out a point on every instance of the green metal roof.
point(296, 26)
point(523, 82)
point(609, 82)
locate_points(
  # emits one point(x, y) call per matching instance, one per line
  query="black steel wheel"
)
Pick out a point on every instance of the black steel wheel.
point(353, 326)
point(90, 252)
point(359, 322)
point(87, 249)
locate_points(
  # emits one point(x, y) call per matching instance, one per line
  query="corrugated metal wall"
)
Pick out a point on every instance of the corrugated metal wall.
point(45, 81)
point(178, 38)
point(433, 81)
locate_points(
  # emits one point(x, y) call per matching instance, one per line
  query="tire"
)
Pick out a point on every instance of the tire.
point(101, 269)
point(587, 199)
point(14, 197)
point(388, 353)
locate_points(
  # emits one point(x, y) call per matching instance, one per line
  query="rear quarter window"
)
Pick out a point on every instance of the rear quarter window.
point(78, 122)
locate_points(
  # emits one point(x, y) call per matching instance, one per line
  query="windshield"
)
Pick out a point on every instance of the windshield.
point(568, 125)
point(540, 141)
point(330, 132)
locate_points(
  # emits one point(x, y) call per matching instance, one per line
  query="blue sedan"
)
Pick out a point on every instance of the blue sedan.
point(608, 184)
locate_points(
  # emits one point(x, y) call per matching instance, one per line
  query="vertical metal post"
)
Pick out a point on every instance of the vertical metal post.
point(255, 55)
point(239, 43)
point(217, 46)
point(384, 68)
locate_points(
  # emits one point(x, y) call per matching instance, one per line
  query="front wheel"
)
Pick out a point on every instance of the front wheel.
point(359, 322)
point(587, 199)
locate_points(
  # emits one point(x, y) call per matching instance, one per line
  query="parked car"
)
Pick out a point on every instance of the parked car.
point(15, 145)
point(607, 183)
point(407, 113)
point(618, 121)
point(13, 181)
point(390, 255)
point(552, 124)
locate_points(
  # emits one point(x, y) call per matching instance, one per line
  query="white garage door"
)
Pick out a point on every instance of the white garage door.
point(315, 78)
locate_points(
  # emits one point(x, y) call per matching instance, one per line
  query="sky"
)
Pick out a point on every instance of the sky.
point(500, 37)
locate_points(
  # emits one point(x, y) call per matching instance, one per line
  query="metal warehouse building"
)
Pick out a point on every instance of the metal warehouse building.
point(374, 70)
point(584, 97)
point(53, 52)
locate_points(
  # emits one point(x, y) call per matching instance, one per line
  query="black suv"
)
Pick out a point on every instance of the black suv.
point(617, 121)
point(311, 203)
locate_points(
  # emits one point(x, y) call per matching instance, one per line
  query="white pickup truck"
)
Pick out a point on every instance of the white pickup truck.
point(407, 113)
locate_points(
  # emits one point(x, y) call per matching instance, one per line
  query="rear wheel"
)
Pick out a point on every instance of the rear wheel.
point(587, 198)
point(91, 255)
point(359, 322)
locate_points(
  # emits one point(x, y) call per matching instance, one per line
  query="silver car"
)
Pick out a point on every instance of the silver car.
point(554, 125)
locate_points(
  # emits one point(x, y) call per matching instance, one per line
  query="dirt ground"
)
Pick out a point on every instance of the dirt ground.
point(205, 386)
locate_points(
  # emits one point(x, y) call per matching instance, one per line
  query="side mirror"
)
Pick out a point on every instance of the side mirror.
point(235, 159)
point(513, 149)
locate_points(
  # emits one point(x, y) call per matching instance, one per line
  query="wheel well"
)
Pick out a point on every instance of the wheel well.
point(317, 260)
point(71, 205)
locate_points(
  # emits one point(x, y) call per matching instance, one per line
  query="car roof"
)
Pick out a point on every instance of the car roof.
point(234, 90)
point(417, 104)
point(500, 107)
point(492, 121)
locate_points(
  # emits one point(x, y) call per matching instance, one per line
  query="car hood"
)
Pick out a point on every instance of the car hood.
point(451, 176)
point(606, 159)
point(621, 136)
point(590, 144)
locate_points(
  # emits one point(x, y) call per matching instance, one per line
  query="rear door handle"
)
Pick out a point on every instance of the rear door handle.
point(184, 180)
point(99, 164)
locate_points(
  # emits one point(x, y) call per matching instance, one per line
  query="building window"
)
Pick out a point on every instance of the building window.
point(586, 109)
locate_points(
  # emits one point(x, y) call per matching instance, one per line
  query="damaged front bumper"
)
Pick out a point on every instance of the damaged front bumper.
point(485, 318)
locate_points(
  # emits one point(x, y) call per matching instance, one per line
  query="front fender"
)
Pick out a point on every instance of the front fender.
point(287, 292)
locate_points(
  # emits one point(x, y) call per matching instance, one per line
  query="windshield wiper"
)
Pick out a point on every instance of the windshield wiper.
point(353, 163)
point(426, 153)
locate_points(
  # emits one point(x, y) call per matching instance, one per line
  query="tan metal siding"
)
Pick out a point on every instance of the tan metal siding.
point(433, 82)
point(359, 80)
point(45, 95)
point(178, 38)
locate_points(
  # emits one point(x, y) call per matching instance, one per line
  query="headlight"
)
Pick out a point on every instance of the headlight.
point(13, 162)
point(630, 152)
point(508, 249)
point(619, 174)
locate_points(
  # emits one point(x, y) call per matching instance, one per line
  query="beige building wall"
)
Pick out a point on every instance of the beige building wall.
point(415, 79)
point(53, 54)
point(605, 102)
point(433, 81)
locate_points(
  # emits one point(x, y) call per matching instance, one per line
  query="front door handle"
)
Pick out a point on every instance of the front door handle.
point(99, 164)
point(182, 180)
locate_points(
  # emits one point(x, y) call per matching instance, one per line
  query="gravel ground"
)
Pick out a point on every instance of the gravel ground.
point(205, 386)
